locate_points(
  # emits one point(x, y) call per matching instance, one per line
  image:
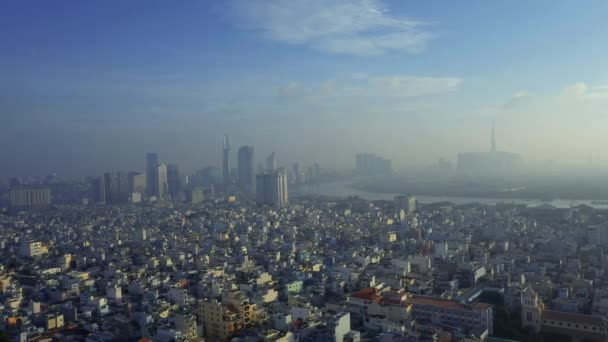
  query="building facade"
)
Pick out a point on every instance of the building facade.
point(578, 327)
point(163, 185)
point(152, 175)
point(226, 179)
point(174, 184)
point(271, 189)
point(246, 176)
point(29, 197)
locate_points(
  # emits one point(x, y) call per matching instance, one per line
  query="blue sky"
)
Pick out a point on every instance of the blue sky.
point(90, 86)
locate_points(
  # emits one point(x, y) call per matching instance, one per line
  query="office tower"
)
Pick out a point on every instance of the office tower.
point(131, 176)
point(297, 176)
point(271, 189)
point(246, 175)
point(174, 182)
point(405, 203)
point(195, 195)
point(152, 175)
point(24, 197)
point(226, 161)
point(96, 190)
point(138, 183)
point(207, 177)
point(140, 234)
point(271, 163)
point(370, 164)
point(163, 188)
point(116, 188)
point(483, 163)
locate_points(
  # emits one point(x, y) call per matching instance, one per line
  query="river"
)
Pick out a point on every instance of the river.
point(343, 189)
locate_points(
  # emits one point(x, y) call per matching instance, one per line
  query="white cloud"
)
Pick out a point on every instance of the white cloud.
point(412, 86)
point(358, 27)
point(382, 87)
point(519, 98)
point(581, 90)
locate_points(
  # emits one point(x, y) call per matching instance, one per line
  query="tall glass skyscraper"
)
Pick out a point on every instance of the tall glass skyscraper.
point(246, 176)
point(271, 189)
point(152, 175)
point(226, 161)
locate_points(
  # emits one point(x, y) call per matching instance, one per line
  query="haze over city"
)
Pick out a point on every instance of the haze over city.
point(303, 171)
point(92, 86)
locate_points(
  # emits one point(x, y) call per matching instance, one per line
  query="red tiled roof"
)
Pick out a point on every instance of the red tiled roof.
point(366, 294)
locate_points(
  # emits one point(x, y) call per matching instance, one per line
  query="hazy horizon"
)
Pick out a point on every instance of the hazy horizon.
point(88, 87)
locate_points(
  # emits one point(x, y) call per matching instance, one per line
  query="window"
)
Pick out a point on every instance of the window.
point(529, 316)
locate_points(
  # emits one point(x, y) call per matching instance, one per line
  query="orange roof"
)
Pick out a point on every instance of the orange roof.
point(366, 294)
point(445, 304)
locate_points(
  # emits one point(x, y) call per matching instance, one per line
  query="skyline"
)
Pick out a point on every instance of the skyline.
point(91, 87)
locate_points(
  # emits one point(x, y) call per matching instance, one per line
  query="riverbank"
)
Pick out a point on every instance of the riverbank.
point(348, 188)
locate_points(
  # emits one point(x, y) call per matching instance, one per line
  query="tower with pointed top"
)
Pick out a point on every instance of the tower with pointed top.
point(226, 161)
point(493, 139)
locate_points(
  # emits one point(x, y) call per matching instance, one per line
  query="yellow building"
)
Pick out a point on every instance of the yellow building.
point(224, 319)
point(54, 321)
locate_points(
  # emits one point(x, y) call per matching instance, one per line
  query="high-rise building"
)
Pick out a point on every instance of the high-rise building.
point(174, 182)
point(271, 163)
point(152, 175)
point(22, 197)
point(297, 175)
point(116, 187)
point(492, 162)
point(370, 164)
point(405, 203)
point(163, 187)
point(138, 183)
point(195, 195)
point(271, 189)
point(246, 174)
point(226, 161)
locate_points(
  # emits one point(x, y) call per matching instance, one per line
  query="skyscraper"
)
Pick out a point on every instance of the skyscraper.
point(370, 164)
point(246, 175)
point(116, 187)
point(226, 162)
point(152, 175)
point(173, 180)
point(29, 197)
point(163, 188)
point(297, 175)
point(271, 163)
point(271, 189)
point(405, 203)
